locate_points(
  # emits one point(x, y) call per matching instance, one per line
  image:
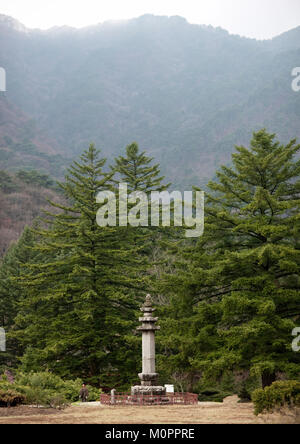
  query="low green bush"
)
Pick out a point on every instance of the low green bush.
point(11, 398)
point(46, 398)
point(279, 394)
point(211, 393)
point(46, 389)
point(47, 381)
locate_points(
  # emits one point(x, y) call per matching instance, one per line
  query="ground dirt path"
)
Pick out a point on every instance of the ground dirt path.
point(228, 412)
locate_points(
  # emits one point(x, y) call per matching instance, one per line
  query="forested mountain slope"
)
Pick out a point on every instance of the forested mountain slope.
point(186, 93)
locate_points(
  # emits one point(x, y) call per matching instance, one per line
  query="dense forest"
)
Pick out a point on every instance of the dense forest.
point(228, 302)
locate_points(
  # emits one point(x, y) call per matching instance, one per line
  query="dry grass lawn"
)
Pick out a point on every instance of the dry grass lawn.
point(229, 412)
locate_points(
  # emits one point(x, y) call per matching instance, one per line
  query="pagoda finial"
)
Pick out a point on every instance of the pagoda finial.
point(148, 301)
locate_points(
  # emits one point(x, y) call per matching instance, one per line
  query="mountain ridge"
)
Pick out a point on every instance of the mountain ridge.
point(17, 25)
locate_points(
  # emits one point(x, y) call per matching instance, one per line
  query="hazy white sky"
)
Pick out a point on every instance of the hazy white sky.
point(252, 18)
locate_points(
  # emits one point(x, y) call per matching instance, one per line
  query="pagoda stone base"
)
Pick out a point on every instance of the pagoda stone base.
point(147, 390)
point(148, 378)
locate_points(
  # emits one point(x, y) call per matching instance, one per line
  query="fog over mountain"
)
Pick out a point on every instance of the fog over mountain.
point(186, 93)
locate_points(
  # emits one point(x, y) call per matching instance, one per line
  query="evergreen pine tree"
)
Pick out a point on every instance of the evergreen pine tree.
point(239, 287)
point(79, 303)
point(137, 171)
point(11, 290)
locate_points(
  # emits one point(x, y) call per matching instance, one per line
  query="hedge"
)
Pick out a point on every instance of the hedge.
point(279, 394)
point(11, 398)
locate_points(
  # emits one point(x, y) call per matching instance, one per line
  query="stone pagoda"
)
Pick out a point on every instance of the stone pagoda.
point(148, 376)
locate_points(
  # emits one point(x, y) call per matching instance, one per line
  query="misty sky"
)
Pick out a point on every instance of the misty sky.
point(260, 19)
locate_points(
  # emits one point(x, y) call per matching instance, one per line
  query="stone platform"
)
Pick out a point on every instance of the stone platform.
point(147, 390)
point(127, 399)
